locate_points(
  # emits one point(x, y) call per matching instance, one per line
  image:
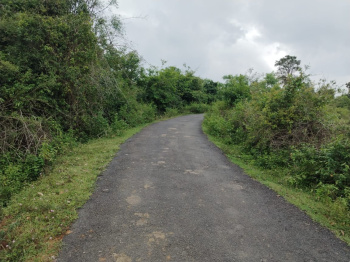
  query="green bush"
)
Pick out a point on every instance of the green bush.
point(14, 175)
point(343, 101)
point(148, 112)
point(118, 125)
point(275, 159)
point(171, 112)
point(18, 168)
point(196, 108)
point(62, 81)
point(328, 165)
point(135, 114)
point(11, 181)
point(92, 126)
point(218, 126)
point(235, 89)
point(288, 127)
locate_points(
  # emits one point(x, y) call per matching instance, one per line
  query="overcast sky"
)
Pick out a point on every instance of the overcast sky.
point(221, 37)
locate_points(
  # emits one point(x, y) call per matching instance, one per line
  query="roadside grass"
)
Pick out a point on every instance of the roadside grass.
point(34, 223)
point(333, 215)
point(36, 219)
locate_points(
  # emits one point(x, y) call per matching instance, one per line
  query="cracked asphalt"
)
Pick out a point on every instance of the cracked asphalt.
point(171, 195)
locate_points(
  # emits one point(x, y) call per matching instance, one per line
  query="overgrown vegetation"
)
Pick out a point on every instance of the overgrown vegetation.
point(284, 123)
point(64, 80)
point(36, 219)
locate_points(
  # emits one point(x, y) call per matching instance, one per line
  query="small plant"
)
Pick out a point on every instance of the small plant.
point(118, 125)
point(320, 167)
point(37, 217)
point(197, 108)
point(171, 112)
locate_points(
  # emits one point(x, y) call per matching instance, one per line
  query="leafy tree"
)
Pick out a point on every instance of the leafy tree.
point(54, 77)
point(211, 89)
point(236, 88)
point(270, 79)
point(64, 77)
point(191, 88)
point(348, 87)
point(298, 128)
point(286, 66)
point(260, 86)
point(171, 88)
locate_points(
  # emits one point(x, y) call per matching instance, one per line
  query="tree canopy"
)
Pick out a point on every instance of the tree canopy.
point(287, 66)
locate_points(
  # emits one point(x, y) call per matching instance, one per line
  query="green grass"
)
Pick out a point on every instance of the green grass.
point(35, 221)
point(33, 224)
point(333, 215)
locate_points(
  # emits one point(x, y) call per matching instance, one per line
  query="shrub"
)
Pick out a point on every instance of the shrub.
point(235, 89)
point(92, 126)
point(15, 174)
point(170, 112)
point(118, 125)
point(18, 167)
point(328, 165)
point(217, 126)
point(197, 108)
point(292, 126)
point(135, 114)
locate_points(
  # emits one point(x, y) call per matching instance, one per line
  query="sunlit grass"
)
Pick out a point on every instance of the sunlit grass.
point(34, 223)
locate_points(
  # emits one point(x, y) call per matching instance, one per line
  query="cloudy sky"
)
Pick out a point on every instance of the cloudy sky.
point(221, 37)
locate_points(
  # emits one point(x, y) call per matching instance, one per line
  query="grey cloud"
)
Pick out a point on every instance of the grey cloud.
point(213, 36)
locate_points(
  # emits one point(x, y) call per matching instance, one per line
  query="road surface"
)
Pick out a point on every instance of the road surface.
point(171, 195)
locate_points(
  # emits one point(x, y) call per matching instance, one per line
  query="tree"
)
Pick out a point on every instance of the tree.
point(287, 66)
point(270, 79)
point(235, 89)
point(211, 89)
point(161, 88)
point(348, 87)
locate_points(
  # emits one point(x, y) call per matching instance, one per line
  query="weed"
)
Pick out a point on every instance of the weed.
point(36, 219)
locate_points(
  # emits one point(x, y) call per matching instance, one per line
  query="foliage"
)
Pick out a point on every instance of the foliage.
point(293, 134)
point(292, 126)
point(65, 79)
point(324, 167)
point(235, 89)
point(137, 114)
point(287, 66)
point(277, 118)
point(211, 89)
point(36, 219)
point(64, 76)
point(161, 88)
point(47, 48)
point(343, 101)
point(196, 108)
point(172, 88)
point(330, 213)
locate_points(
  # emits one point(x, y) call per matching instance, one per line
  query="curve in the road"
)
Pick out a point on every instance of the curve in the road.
point(171, 195)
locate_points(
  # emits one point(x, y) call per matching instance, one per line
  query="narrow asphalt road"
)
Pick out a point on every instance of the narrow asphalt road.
point(171, 195)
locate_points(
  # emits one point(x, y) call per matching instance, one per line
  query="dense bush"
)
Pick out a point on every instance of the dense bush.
point(62, 80)
point(327, 165)
point(136, 114)
point(197, 108)
point(235, 89)
point(289, 124)
point(172, 88)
